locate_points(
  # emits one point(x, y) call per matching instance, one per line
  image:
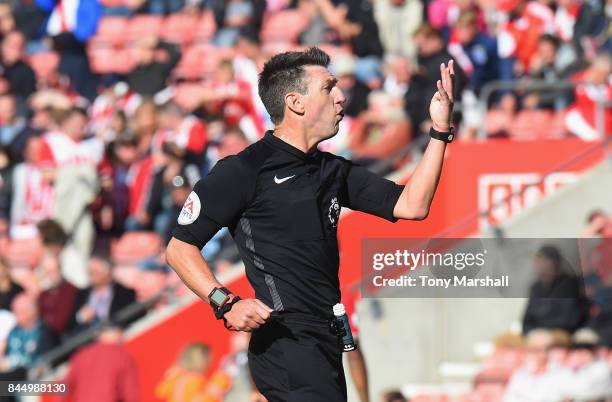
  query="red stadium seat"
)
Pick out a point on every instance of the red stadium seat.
point(179, 28)
point(201, 60)
point(187, 94)
point(127, 275)
point(530, 124)
point(557, 127)
point(284, 26)
point(142, 26)
point(205, 28)
point(111, 30)
point(101, 58)
point(497, 122)
point(44, 64)
point(136, 246)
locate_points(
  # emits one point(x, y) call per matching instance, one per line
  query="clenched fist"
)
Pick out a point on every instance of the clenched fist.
point(248, 315)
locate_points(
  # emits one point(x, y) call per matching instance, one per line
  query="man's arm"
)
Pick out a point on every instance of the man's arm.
point(215, 202)
point(416, 198)
point(359, 373)
point(185, 259)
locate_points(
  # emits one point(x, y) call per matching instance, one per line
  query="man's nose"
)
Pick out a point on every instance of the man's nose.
point(339, 96)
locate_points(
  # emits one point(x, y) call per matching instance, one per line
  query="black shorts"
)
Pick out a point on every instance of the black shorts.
point(297, 359)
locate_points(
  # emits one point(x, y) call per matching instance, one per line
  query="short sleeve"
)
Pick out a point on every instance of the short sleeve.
point(216, 201)
point(370, 193)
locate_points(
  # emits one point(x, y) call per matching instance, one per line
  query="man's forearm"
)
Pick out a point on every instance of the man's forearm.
point(185, 259)
point(416, 198)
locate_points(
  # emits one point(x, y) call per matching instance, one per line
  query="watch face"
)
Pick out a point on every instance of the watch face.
point(218, 297)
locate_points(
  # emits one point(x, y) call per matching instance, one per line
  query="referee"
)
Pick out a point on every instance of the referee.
point(281, 200)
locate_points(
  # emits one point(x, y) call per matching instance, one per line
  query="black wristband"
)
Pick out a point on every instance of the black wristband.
point(221, 311)
point(447, 137)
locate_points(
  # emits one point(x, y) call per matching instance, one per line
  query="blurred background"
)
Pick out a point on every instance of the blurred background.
point(111, 110)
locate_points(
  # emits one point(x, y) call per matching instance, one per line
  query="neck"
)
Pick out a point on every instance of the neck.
point(29, 325)
point(296, 136)
point(102, 286)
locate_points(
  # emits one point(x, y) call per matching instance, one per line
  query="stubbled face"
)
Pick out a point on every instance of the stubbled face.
point(323, 102)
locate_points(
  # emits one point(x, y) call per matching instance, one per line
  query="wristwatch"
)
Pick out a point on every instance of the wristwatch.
point(221, 301)
point(442, 136)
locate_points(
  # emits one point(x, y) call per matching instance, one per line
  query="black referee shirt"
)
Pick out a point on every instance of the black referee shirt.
point(281, 206)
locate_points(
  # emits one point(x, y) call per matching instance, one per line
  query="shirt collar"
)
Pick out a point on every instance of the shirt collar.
point(276, 142)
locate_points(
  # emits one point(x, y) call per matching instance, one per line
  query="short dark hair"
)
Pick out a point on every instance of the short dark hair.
point(394, 396)
point(552, 39)
point(284, 73)
point(52, 233)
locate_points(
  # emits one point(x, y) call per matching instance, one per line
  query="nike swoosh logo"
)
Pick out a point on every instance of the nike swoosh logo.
point(284, 179)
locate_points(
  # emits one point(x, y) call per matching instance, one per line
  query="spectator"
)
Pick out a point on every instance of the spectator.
point(500, 118)
point(14, 130)
point(230, 98)
point(184, 133)
point(379, 131)
point(235, 15)
point(186, 381)
point(7, 322)
point(524, 23)
point(233, 142)
point(393, 396)
point(160, 210)
point(8, 288)
point(6, 191)
point(70, 27)
point(398, 71)
point(355, 92)
point(431, 52)
point(536, 381)
point(70, 160)
point(397, 21)
point(18, 74)
point(154, 61)
point(475, 52)
point(556, 300)
point(546, 66)
point(32, 193)
point(28, 340)
point(596, 89)
point(56, 302)
point(103, 299)
point(591, 378)
point(55, 242)
point(103, 371)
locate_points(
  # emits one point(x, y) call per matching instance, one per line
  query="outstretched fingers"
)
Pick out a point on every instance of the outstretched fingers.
point(442, 92)
point(447, 74)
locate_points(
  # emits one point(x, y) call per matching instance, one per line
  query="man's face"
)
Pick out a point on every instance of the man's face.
point(24, 309)
point(546, 269)
point(99, 273)
point(466, 33)
point(7, 109)
point(12, 48)
point(323, 102)
point(547, 52)
point(75, 126)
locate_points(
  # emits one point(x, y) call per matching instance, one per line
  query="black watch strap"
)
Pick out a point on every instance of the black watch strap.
point(442, 136)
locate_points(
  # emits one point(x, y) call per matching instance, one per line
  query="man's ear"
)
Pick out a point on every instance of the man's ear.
point(294, 102)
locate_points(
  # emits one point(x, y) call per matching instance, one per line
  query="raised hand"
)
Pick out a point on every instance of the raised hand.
point(441, 107)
